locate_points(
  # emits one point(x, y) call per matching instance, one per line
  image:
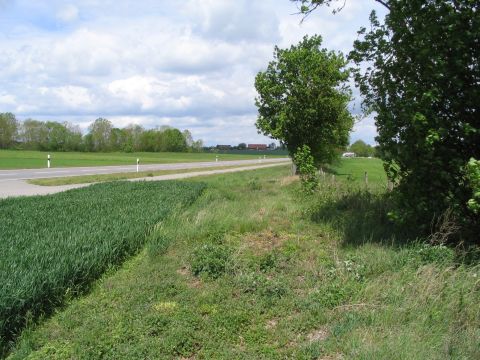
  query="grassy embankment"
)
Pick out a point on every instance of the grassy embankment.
point(255, 270)
point(86, 179)
point(19, 159)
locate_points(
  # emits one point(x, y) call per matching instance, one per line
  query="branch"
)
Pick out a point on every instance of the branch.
point(383, 3)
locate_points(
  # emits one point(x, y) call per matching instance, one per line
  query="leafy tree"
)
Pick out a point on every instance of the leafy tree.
point(188, 137)
point(422, 78)
point(360, 148)
point(101, 132)
point(133, 135)
point(302, 99)
point(8, 129)
point(197, 146)
point(242, 146)
point(32, 134)
point(174, 140)
point(73, 141)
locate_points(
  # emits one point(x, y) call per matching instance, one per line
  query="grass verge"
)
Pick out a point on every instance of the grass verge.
point(254, 270)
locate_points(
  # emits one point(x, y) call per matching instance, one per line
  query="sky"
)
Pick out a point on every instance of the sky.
point(190, 64)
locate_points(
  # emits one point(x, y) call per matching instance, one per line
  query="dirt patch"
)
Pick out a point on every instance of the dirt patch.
point(332, 357)
point(264, 241)
point(318, 335)
point(183, 271)
point(271, 324)
point(192, 282)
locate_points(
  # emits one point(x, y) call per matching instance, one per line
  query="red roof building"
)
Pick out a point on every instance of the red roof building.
point(257, 147)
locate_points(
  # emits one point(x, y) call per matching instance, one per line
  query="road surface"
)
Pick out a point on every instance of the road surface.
point(20, 187)
point(25, 174)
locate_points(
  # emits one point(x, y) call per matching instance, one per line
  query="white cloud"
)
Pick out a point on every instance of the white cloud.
point(188, 64)
point(67, 13)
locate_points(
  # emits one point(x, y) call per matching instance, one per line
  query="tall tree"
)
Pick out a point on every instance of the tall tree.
point(101, 133)
point(73, 141)
point(133, 135)
point(174, 140)
point(419, 72)
point(8, 129)
point(302, 99)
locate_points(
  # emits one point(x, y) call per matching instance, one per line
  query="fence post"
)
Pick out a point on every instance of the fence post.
point(366, 178)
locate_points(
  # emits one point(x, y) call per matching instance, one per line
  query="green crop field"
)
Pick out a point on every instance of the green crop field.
point(52, 247)
point(19, 159)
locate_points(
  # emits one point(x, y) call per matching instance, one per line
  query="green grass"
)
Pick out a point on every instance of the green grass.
point(255, 270)
point(84, 179)
point(52, 247)
point(353, 170)
point(20, 159)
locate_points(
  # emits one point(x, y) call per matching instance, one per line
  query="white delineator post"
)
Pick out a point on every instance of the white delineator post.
point(48, 161)
point(138, 162)
point(216, 158)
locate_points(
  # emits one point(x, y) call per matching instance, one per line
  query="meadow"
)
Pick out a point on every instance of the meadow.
point(54, 246)
point(254, 269)
point(23, 159)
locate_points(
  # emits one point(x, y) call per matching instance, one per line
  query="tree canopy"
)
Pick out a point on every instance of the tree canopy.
point(302, 99)
point(418, 71)
point(360, 148)
point(8, 129)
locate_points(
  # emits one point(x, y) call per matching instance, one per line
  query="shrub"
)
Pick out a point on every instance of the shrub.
point(211, 260)
point(305, 163)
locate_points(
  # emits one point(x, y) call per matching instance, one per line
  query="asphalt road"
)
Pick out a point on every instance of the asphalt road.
point(26, 174)
point(16, 184)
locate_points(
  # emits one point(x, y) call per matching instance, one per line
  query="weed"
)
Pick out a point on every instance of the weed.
point(211, 260)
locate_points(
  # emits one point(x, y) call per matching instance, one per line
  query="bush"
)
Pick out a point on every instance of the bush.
point(211, 260)
point(305, 163)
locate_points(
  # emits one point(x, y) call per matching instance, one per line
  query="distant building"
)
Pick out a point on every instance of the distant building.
point(224, 147)
point(348, 154)
point(257, 147)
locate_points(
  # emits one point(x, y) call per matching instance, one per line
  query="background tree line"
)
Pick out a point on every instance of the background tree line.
point(102, 136)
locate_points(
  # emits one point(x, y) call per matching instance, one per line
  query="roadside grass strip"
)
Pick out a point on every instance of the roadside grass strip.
point(52, 247)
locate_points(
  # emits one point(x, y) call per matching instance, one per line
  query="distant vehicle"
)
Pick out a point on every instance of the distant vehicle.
point(348, 154)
